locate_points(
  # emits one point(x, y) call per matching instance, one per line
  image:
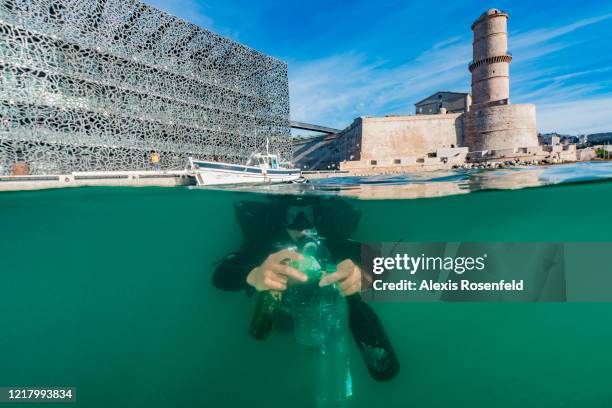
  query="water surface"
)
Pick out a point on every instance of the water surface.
point(439, 183)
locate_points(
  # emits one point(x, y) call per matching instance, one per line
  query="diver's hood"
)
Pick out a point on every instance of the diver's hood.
point(338, 219)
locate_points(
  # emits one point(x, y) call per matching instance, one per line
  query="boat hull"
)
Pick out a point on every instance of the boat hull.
point(215, 173)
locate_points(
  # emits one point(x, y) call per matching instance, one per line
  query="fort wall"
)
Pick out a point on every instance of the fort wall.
point(394, 137)
point(501, 127)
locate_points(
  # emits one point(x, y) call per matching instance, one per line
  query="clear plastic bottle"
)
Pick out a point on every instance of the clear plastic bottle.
point(314, 309)
point(320, 316)
point(334, 383)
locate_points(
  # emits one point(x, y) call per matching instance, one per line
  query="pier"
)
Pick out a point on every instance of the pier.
point(98, 178)
point(169, 178)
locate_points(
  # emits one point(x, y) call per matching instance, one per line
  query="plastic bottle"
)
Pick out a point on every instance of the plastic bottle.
point(320, 318)
point(333, 368)
point(314, 309)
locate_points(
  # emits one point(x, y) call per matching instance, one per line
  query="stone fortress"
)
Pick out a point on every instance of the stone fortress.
point(449, 129)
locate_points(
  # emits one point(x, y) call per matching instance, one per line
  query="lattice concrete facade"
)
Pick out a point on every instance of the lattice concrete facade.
point(101, 84)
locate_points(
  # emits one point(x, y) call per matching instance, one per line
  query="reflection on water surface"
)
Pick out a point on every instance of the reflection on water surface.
point(441, 182)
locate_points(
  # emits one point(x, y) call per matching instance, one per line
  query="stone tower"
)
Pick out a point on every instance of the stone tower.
point(493, 124)
point(491, 62)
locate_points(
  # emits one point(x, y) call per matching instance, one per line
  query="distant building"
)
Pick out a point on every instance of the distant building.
point(453, 102)
point(549, 138)
point(598, 138)
point(556, 138)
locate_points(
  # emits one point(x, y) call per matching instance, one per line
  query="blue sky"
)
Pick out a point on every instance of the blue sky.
point(361, 57)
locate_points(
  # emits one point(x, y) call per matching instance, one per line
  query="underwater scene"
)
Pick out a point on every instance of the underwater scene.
point(146, 297)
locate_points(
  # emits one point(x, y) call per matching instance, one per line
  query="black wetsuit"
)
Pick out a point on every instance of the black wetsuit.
point(264, 236)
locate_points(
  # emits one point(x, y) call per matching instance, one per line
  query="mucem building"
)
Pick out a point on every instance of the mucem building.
point(98, 85)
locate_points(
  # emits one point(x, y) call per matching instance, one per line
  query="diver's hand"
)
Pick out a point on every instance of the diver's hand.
point(274, 273)
point(348, 277)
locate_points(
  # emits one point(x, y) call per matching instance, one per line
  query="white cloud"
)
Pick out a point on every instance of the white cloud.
point(335, 90)
point(557, 91)
point(532, 38)
point(330, 89)
point(577, 116)
point(581, 73)
point(447, 42)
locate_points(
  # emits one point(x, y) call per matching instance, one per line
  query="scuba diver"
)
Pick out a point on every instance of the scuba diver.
point(267, 263)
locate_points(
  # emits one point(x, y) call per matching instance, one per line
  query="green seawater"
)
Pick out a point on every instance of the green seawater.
point(109, 290)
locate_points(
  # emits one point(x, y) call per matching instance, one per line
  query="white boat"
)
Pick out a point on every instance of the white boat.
point(260, 168)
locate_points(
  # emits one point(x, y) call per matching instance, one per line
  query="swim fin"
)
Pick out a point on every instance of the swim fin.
point(370, 336)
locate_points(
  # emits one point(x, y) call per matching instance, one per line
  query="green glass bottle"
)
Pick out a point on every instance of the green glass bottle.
point(263, 318)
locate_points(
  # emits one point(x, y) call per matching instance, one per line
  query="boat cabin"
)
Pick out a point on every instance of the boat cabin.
point(264, 161)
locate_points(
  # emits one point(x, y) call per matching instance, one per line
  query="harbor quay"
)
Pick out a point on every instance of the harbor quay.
point(166, 178)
